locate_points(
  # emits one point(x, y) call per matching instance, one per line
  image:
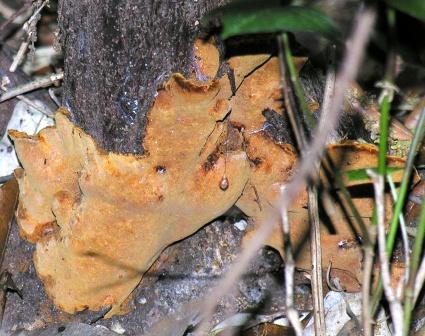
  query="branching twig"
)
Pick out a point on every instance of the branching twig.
point(328, 123)
point(30, 27)
point(31, 86)
point(396, 309)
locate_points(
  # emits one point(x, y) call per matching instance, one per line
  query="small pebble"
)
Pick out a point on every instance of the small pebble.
point(117, 327)
point(241, 225)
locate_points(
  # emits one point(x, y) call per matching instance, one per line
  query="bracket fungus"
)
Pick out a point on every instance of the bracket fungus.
point(100, 219)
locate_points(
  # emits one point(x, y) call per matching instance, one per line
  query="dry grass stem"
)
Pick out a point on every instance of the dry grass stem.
point(18, 16)
point(419, 281)
point(369, 255)
point(289, 99)
point(291, 312)
point(348, 72)
point(396, 309)
point(316, 262)
point(405, 240)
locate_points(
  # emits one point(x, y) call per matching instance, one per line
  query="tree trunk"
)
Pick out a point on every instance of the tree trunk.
point(116, 54)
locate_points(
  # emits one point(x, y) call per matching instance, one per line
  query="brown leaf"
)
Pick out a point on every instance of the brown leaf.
point(8, 199)
point(339, 234)
point(270, 329)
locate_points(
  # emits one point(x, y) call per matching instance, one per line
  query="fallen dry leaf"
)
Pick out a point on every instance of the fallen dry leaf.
point(340, 235)
point(411, 120)
point(8, 199)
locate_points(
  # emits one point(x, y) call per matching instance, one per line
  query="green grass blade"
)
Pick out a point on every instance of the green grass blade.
point(257, 17)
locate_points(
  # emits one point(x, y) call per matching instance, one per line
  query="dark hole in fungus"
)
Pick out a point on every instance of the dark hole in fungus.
point(160, 170)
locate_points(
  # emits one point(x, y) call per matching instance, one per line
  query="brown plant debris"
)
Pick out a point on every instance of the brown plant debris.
point(100, 219)
point(8, 199)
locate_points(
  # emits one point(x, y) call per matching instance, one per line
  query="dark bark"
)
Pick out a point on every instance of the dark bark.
point(116, 54)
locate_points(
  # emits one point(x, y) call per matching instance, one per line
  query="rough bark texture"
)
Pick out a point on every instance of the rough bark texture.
point(116, 54)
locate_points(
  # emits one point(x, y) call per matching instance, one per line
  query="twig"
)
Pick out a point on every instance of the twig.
point(17, 59)
point(396, 309)
point(291, 312)
point(31, 86)
point(14, 15)
point(315, 242)
point(316, 263)
point(300, 135)
point(6, 11)
point(328, 123)
point(30, 26)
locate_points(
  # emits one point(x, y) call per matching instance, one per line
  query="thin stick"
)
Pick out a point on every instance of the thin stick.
point(30, 27)
point(12, 18)
point(31, 86)
point(17, 59)
point(328, 123)
point(316, 263)
point(396, 309)
point(300, 135)
point(291, 312)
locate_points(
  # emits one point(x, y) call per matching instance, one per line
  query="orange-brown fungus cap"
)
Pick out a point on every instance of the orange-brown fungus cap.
point(100, 219)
